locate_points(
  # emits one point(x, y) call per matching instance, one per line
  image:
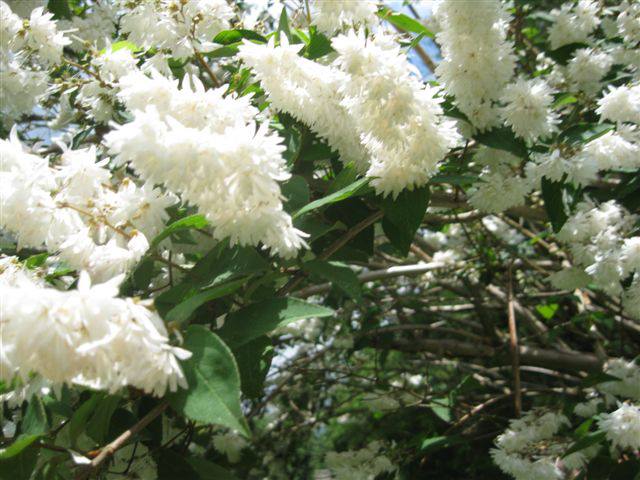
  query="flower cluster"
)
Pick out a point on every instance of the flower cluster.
point(332, 15)
point(27, 48)
point(478, 60)
point(76, 209)
point(85, 336)
point(573, 23)
point(234, 166)
point(368, 462)
point(399, 146)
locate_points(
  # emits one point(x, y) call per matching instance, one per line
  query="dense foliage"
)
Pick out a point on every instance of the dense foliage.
point(319, 239)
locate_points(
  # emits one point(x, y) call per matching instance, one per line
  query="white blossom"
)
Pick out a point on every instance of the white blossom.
point(88, 337)
point(587, 68)
point(628, 21)
point(622, 426)
point(230, 444)
point(573, 24)
point(478, 60)
point(528, 109)
point(234, 167)
point(331, 15)
point(621, 104)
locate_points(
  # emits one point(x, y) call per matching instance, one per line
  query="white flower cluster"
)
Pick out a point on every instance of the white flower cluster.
point(528, 111)
point(96, 27)
point(478, 61)
point(230, 444)
point(499, 187)
point(371, 107)
point(363, 464)
point(621, 104)
point(622, 427)
point(75, 209)
point(596, 238)
point(332, 15)
point(85, 336)
point(27, 47)
point(573, 23)
point(531, 450)
point(179, 27)
point(587, 68)
point(628, 21)
point(233, 166)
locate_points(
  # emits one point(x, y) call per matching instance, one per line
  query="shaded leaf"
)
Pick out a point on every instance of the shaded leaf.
point(213, 396)
point(338, 196)
point(339, 274)
point(403, 216)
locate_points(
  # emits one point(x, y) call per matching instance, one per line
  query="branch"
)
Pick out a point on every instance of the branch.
point(108, 451)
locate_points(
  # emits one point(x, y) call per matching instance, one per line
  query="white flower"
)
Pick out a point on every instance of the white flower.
point(613, 150)
point(363, 464)
point(622, 427)
point(87, 336)
point(628, 387)
point(498, 190)
point(400, 120)
point(587, 409)
point(629, 21)
point(97, 26)
point(332, 15)
point(573, 24)
point(587, 68)
point(20, 89)
point(478, 60)
point(43, 36)
point(310, 92)
point(528, 109)
point(230, 444)
point(235, 168)
point(620, 104)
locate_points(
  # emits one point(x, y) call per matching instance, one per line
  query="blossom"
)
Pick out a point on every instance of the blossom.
point(628, 387)
point(498, 190)
point(235, 168)
point(331, 15)
point(230, 444)
point(528, 109)
point(569, 278)
point(44, 37)
point(622, 427)
point(178, 28)
point(478, 60)
point(587, 68)
point(88, 337)
point(573, 24)
point(308, 91)
point(400, 120)
point(620, 104)
point(629, 21)
point(363, 464)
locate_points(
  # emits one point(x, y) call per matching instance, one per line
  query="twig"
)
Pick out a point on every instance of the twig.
point(207, 68)
point(108, 451)
point(513, 344)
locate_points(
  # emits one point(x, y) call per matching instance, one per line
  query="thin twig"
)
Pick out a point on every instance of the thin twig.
point(513, 344)
point(207, 68)
point(108, 451)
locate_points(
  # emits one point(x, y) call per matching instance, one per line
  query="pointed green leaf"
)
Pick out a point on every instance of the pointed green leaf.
point(403, 216)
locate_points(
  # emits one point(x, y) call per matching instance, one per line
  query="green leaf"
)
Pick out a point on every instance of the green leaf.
point(552, 194)
point(78, 422)
point(564, 99)
point(597, 378)
point(503, 139)
point(35, 418)
point(59, 8)
point(404, 22)
point(296, 192)
point(224, 52)
point(403, 216)
point(338, 274)
point(227, 37)
point(208, 470)
point(19, 466)
point(547, 310)
point(254, 359)
point(586, 441)
point(441, 410)
point(213, 396)
point(183, 310)
point(319, 45)
point(582, 133)
point(98, 426)
point(22, 442)
point(260, 318)
point(122, 44)
point(191, 222)
point(338, 196)
point(173, 466)
point(283, 24)
point(35, 261)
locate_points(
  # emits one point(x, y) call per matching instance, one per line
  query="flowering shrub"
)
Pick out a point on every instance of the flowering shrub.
point(319, 239)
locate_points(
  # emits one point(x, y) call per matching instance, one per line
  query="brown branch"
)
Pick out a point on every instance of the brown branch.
point(203, 63)
point(513, 345)
point(109, 450)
